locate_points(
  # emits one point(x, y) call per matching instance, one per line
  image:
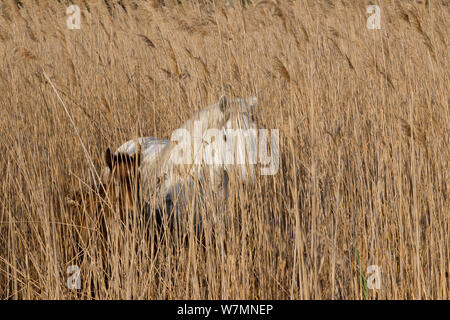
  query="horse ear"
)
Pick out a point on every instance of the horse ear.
point(138, 155)
point(108, 158)
point(223, 103)
point(253, 101)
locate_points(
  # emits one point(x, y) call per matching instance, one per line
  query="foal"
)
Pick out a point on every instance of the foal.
point(107, 203)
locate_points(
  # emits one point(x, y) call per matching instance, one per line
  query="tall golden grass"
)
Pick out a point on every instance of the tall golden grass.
point(364, 139)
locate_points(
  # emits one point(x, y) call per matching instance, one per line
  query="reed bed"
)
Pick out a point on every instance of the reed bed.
point(364, 126)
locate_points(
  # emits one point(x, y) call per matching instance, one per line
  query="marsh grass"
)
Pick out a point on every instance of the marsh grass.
point(364, 139)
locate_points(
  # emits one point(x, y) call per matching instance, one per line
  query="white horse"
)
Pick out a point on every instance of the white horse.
point(216, 143)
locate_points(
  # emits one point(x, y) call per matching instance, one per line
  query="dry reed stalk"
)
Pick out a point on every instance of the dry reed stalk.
point(88, 157)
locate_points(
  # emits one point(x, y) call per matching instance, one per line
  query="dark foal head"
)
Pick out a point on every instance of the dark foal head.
point(117, 192)
point(123, 180)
